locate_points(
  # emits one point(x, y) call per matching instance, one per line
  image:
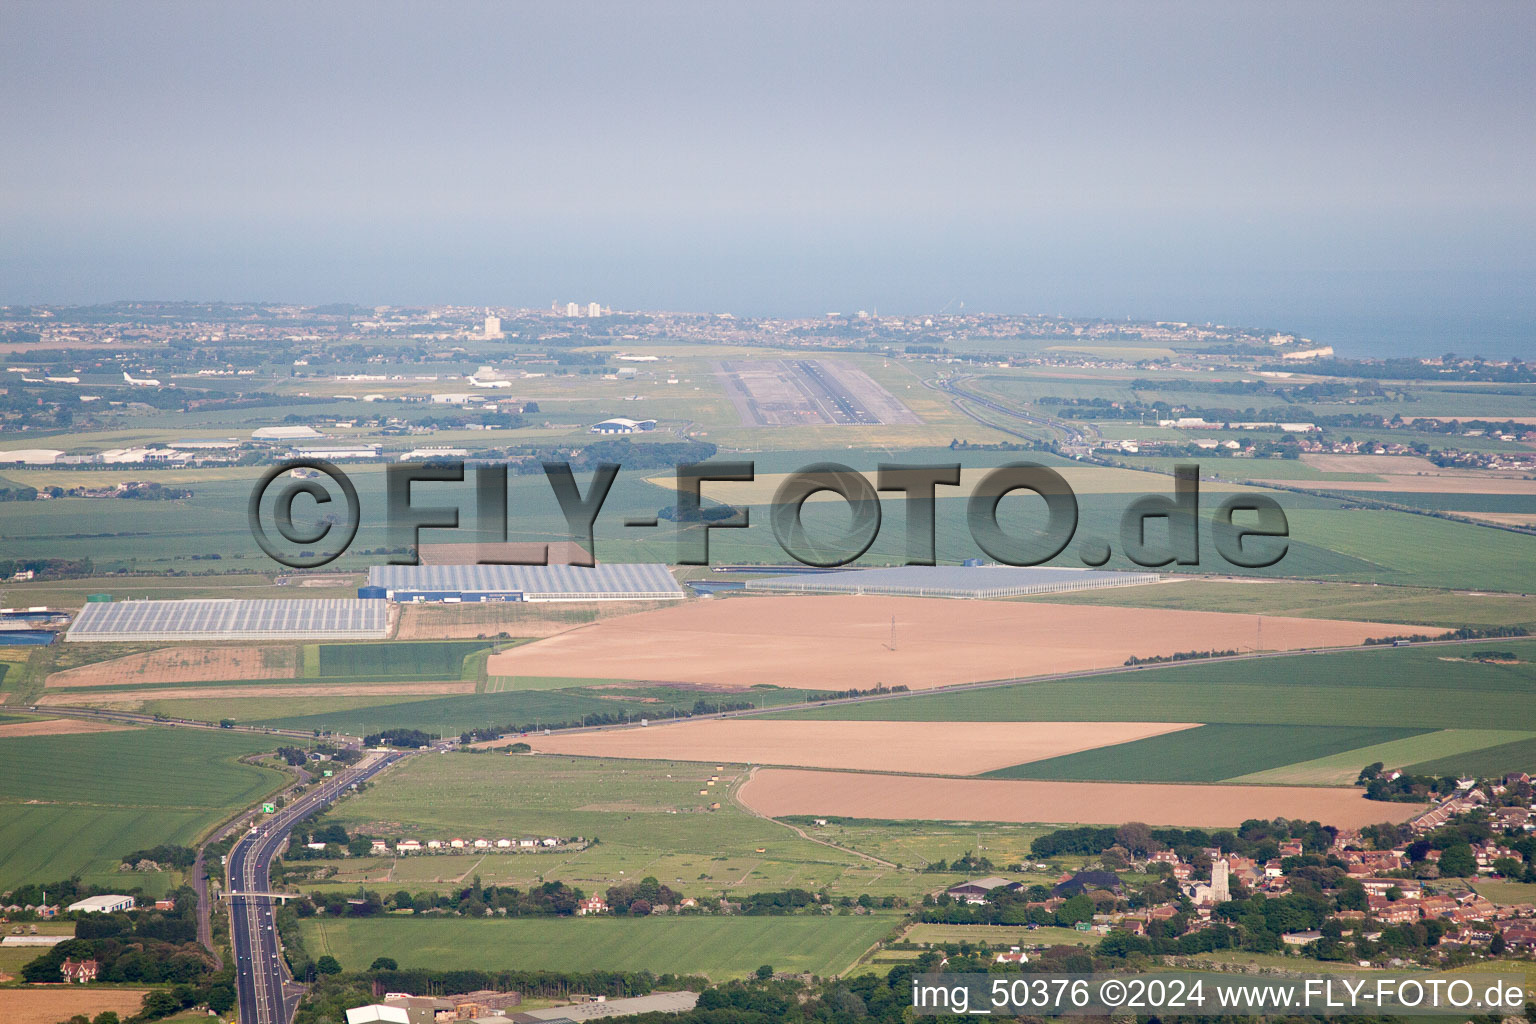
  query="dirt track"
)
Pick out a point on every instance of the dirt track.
point(780, 791)
point(840, 642)
point(941, 748)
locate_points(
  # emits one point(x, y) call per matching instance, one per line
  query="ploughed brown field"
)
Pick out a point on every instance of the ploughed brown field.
point(47, 1006)
point(780, 791)
point(184, 665)
point(57, 727)
point(940, 748)
point(843, 642)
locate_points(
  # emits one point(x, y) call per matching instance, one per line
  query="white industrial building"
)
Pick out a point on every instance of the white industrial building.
point(103, 904)
point(621, 425)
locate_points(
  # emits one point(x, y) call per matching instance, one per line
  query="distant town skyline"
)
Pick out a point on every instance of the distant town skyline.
point(1293, 164)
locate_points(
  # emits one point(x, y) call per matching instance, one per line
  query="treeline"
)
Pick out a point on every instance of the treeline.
point(705, 514)
point(53, 568)
point(1461, 633)
point(166, 855)
point(146, 946)
point(651, 455)
point(1180, 656)
point(413, 738)
point(1255, 838)
point(1411, 369)
point(700, 707)
point(551, 899)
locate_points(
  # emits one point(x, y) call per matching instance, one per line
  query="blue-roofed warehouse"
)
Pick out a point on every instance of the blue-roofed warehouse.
point(615, 581)
point(955, 581)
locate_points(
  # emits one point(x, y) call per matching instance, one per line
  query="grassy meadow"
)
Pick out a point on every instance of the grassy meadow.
point(717, 947)
point(75, 804)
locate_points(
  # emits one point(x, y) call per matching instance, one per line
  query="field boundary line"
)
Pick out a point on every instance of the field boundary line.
point(797, 830)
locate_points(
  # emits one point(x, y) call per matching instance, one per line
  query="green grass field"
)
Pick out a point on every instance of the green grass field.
point(1209, 753)
point(76, 803)
point(649, 818)
point(422, 659)
point(1362, 601)
point(1519, 755)
point(719, 947)
point(1399, 687)
point(1343, 768)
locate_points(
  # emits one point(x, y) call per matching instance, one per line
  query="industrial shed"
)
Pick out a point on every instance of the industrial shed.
point(954, 581)
point(292, 619)
point(648, 581)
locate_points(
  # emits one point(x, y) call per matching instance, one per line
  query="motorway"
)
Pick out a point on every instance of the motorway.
point(266, 996)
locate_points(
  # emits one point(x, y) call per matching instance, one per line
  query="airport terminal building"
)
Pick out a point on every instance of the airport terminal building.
point(648, 581)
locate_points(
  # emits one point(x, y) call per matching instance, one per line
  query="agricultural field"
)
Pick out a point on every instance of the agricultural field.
point(56, 1003)
point(1453, 746)
point(717, 947)
point(503, 708)
point(955, 748)
point(1406, 687)
point(74, 804)
point(866, 641)
point(1211, 753)
point(1374, 602)
point(651, 818)
point(795, 791)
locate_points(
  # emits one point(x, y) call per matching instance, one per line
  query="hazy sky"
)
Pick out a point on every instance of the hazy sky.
point(1174, 160)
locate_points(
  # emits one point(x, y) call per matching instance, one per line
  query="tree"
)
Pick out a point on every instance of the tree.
point(1497, 944)
point(328, 965)
point(106, 1017)
point(1457, 861)
point(384, 963)
point(765, 972)
point(1136, 837)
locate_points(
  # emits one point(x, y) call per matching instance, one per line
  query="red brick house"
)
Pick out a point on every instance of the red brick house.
point(79, 971)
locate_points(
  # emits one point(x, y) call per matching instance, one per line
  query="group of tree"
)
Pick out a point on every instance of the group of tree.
point(146, 946)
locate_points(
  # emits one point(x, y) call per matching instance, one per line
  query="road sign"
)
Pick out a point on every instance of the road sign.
point(269, 808)
point(329, 774)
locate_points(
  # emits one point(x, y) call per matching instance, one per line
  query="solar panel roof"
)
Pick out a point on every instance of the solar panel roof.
point(614, 578)
point(122, 620)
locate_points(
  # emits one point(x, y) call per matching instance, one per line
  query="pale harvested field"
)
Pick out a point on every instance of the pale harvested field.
point(1388, 464)
point(838, 642)
point(47, 1006)
point(940, 748)
point(57, 727)
point(185, 665)
point(469, 621)
point(344, 690)
point(781, 791)
point(1484, 484)
point(1503, 518)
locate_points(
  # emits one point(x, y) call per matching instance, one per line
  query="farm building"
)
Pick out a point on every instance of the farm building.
point(956, 581)
point(290, 619)
point(454, 583)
